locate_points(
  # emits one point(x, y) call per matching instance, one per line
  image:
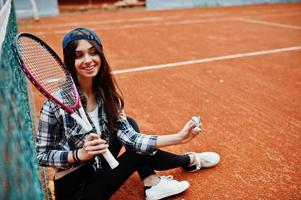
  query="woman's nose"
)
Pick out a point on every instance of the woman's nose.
point(87, 58)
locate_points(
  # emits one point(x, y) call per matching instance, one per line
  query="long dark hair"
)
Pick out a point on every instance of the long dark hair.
point(104, 83)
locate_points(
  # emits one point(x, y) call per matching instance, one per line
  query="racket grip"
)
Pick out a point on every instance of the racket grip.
point(110, 159)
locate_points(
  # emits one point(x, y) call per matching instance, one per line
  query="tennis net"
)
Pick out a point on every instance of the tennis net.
point(19, 172)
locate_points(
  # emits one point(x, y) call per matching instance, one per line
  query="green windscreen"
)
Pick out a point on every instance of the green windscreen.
point(19, 172)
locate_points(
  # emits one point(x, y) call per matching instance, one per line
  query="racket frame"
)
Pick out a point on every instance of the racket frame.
point(16, 48)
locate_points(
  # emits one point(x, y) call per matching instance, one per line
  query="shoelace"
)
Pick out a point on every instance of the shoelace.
point(197, 161)
point(169, 177)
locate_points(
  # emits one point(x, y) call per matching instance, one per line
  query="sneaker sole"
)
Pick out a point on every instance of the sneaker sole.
point(169, 193)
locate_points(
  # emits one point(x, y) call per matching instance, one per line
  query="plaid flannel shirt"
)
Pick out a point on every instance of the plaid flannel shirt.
point(58, 133)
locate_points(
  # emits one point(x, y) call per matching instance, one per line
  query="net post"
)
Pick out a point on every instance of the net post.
point(34, 10)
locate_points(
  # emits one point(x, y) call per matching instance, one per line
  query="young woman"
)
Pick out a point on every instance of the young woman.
point(81, 170)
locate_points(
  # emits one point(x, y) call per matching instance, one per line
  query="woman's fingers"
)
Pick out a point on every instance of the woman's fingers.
point(97, 147)
point(95, 142)
point(94, 145)
point(95, 153)
point(92, 136)
point(189, 126)
point(93, 139)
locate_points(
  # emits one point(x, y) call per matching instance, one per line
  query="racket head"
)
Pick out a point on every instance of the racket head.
point(46, 71)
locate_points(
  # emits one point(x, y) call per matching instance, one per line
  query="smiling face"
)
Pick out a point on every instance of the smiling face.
point(87, 61)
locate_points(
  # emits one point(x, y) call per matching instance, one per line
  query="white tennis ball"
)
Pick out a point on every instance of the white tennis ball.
point(197, 122)
point(197, 130)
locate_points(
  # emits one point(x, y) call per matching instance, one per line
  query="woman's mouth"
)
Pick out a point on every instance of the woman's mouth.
point(89, 68)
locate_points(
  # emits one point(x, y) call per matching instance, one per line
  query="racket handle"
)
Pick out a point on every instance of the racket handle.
point(110, 159)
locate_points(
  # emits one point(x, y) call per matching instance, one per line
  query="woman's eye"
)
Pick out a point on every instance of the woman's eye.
point(93, 53)
point(78, 55)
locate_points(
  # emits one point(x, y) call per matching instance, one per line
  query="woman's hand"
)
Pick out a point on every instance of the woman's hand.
point(188, 132)
point(93, 146)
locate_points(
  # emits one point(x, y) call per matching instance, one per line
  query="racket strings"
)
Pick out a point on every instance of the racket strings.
point(47, 70)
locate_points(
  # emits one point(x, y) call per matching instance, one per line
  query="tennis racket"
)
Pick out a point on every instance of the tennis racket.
point(48, 74)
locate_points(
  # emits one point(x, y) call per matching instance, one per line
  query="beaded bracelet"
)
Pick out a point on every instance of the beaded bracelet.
point(75, 156)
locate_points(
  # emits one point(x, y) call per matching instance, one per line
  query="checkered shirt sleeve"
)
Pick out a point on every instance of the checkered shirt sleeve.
point(133, 141)
point(51, 146)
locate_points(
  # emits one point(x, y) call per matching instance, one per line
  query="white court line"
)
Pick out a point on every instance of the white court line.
point(116, 21)
point(159, 18)
point(112, 21)
point(205, 60)
point(182, 22)
point(269, 23)
point(160, 21)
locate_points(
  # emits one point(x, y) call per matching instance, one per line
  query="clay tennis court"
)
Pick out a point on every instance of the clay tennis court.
point(236, 67)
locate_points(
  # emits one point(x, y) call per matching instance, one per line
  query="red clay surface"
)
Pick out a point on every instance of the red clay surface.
point(250, 105)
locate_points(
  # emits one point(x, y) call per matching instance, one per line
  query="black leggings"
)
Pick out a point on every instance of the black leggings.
point(85, 183)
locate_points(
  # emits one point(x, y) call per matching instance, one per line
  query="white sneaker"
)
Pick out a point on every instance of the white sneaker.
point(165, 188)
point(203, 160)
